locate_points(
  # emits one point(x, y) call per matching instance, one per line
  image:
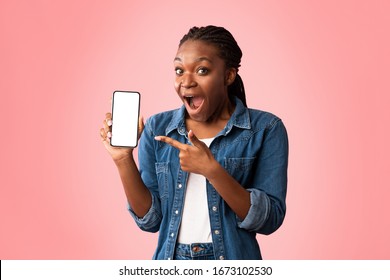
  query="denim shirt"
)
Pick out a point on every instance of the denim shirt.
point(253, 148)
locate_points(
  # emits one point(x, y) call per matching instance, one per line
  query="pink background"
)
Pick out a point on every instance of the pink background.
point(322, 67)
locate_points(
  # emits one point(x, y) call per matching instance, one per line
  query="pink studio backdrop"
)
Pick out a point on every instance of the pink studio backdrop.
point(322, 66)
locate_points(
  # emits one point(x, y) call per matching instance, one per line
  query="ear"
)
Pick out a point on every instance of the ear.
point(230, 76)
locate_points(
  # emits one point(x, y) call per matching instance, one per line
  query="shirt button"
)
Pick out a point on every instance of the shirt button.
point(215, 208)
point(216, 232)
point(177, 212)
point(180, 186)
point(172, 234)
point(221, 258)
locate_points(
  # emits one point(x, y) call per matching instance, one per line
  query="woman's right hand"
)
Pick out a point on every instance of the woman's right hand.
point(117, 153)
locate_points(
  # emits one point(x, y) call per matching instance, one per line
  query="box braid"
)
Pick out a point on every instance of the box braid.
point(229, 51)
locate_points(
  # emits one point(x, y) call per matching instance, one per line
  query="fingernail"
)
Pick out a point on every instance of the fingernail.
point(109, 134)
point(158, 138)
point(109, 122)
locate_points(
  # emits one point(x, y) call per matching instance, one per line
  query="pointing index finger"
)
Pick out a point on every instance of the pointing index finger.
point(174, 143)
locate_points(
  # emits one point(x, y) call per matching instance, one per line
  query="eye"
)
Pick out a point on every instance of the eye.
point(203, 71)
point(178, 71)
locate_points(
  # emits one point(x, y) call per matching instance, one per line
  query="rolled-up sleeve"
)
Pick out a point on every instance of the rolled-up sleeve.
point(152, 219)
point(258, 212)
point(269, 189)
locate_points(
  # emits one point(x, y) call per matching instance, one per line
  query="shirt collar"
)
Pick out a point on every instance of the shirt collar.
point(240, 118)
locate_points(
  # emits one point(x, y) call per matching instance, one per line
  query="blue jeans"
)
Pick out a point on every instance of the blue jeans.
point(194, 251)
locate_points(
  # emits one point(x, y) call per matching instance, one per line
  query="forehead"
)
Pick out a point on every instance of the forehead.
point(194, 49)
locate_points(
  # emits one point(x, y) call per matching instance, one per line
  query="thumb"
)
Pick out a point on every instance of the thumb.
point(194, 140)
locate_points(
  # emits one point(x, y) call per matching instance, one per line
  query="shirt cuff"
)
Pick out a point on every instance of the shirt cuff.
point(258, 212)
point(152, 218)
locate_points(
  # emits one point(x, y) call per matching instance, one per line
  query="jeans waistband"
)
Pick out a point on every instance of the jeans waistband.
point(195, 250)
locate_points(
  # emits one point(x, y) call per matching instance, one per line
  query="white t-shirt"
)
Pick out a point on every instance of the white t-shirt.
point(195, 222)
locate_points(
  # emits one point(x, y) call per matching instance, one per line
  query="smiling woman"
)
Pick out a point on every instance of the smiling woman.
point(213, 173)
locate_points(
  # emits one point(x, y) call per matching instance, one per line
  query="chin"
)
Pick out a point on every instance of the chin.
point(196, 117)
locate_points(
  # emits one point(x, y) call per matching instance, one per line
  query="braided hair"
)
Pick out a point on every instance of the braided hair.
point(229, 51)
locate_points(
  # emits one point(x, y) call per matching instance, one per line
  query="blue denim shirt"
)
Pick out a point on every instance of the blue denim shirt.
point(253, 148)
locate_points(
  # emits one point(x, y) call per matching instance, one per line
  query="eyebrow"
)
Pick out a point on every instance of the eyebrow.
point(202, 58)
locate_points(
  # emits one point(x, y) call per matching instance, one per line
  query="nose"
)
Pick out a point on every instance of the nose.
point(188, 81)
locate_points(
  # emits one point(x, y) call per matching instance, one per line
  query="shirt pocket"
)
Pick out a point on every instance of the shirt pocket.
point(162, 171)
point(240, 169)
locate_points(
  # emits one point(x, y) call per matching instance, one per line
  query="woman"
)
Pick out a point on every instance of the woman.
point(212, 173)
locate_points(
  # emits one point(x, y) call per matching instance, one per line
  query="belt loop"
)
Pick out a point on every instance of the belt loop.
point(191, 250)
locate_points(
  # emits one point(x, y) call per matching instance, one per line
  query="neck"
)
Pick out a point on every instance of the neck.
point(223, 112)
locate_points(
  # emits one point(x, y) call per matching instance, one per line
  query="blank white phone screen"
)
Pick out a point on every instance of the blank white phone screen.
point(125, 113)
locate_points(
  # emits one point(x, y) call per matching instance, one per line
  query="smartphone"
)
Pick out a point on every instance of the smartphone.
point(125, 114)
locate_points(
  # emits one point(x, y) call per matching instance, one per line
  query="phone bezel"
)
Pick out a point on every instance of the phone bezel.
point(138, 113)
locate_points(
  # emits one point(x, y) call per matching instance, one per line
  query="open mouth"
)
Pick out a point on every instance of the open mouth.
point(194, 101)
